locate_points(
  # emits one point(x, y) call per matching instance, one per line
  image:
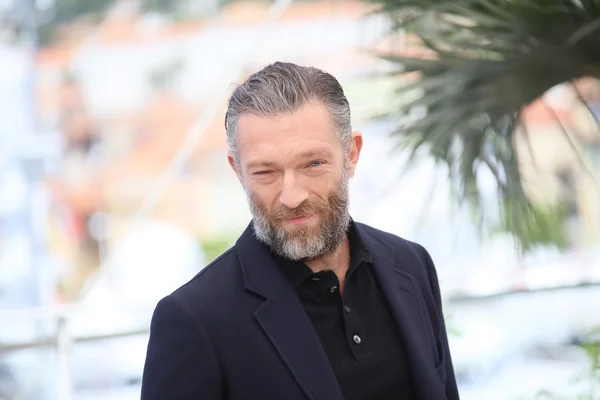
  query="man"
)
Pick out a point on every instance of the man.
point(308, 304)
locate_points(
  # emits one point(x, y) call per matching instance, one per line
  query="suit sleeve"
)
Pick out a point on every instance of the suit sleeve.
point(442, 335)
point(180, 362)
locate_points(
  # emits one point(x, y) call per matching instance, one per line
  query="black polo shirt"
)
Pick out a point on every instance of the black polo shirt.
point(357, 331)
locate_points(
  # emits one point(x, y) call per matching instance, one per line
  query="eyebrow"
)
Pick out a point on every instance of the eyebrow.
point(260, 164)
point(315, 153)
point(304, 155)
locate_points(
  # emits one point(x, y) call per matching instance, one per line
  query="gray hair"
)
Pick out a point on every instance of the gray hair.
point(284, 87)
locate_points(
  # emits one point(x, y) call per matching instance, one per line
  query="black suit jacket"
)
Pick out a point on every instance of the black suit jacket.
point(238, 330)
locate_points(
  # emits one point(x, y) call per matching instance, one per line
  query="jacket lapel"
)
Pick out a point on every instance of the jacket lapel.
point(284, 321)
point(404, 298)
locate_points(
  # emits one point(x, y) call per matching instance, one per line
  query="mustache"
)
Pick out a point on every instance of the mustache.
point(304, 209)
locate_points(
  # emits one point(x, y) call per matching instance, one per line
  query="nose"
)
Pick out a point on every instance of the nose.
point(292, 191)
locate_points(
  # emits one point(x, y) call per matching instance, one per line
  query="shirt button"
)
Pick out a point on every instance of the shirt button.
point(347, 309)
point(333, 289)
point(357, 339)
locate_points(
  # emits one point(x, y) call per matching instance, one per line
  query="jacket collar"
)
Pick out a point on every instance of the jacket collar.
point(260, 270)
point(393, 267)
point(284, 321)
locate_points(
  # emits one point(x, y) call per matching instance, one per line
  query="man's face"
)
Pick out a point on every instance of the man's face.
point(296, 174)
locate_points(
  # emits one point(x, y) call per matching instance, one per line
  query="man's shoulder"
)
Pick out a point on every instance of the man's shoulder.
point(411, 257)
point(215, 282)
point(389, 239)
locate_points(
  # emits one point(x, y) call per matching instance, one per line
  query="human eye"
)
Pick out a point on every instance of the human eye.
point(316, 163)
point(262, 172)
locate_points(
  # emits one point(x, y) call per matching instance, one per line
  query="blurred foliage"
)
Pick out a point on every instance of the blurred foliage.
point(161, 6)
point(590, 381)
point(543, 225)
point(483, 62)
point(214, 247)
point(65, 11)
point(452, 328)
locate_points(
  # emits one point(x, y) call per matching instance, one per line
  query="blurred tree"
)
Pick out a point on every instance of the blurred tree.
point(161, 6)
point(64, 11)
point(183, 9)
point(482, 62)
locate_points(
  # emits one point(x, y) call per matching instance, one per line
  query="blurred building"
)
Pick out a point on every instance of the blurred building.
point(558, 157)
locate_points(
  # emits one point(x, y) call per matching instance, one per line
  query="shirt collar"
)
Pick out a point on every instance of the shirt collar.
point(297, 271)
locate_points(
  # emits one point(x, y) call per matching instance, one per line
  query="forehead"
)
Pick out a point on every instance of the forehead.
point(287, 135)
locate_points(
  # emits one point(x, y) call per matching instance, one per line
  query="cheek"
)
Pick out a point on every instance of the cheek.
point(323, 187)
point(265, 196)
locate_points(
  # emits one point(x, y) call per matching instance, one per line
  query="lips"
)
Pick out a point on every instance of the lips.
point(298, 219)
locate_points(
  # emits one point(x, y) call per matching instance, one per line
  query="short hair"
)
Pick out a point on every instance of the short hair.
point(284, 87)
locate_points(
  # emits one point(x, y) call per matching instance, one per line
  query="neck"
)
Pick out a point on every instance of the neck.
point(338, 262)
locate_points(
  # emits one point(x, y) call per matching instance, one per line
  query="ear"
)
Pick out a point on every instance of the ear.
point(233, 165)
point(355, 148)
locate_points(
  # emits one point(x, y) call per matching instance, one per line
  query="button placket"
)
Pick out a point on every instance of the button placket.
point(355, 333)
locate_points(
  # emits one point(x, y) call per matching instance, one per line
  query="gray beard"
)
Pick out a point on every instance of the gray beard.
point(330, 232)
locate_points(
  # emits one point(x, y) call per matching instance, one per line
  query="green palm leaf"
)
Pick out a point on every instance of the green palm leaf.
point(486, 61)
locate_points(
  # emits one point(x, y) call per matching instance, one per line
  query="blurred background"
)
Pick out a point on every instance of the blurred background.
point(115, 189)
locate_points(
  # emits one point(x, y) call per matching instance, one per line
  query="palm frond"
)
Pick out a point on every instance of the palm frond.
point(485, 61)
